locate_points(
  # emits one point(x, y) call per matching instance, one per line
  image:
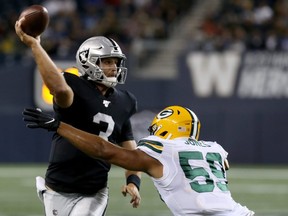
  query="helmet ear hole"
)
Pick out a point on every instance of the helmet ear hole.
point(163, 133)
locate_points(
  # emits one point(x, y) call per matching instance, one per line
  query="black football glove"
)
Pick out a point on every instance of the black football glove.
point(37, 119)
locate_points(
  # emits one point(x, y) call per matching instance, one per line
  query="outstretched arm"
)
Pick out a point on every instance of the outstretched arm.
point(95, 146)
point(53, 79)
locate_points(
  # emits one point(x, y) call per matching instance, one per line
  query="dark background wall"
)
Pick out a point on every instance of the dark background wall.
point(251, 129)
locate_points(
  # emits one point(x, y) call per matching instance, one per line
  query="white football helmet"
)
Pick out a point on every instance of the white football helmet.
point(90, 54)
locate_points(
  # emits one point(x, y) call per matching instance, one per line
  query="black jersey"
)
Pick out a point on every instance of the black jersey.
point(70, 170)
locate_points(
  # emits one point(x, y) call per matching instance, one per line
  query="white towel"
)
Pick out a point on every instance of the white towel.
point(41, 188)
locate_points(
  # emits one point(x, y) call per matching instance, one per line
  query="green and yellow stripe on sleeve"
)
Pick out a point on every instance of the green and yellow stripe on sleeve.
point(153, 145)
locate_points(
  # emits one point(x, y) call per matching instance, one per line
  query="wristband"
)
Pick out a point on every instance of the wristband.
point(134, 179)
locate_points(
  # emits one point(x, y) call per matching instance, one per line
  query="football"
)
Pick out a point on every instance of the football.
point(36, 20)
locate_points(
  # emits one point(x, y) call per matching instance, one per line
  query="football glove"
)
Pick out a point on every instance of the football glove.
point(35, 118)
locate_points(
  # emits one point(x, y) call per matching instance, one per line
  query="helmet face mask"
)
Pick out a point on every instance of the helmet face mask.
point(91, 52)
point(174, 122)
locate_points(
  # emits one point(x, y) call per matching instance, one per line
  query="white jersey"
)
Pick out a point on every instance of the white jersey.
point(194, 179)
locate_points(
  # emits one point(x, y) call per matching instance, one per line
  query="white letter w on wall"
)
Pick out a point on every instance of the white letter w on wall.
point(213, 72)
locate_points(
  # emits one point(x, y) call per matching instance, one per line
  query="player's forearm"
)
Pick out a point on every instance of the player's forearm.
point(50, 74)
point(90, 144)
point(97, 147)
point(93, 145)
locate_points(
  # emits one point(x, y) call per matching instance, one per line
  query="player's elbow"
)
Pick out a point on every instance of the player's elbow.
point(60, 90)
point(63, 96)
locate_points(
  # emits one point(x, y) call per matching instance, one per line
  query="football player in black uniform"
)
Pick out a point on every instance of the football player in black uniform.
point(75, 184)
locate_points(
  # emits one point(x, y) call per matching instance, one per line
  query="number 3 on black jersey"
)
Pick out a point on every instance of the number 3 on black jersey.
point(101, 117)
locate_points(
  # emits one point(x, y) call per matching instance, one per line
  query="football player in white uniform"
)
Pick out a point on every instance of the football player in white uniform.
point(190, 175)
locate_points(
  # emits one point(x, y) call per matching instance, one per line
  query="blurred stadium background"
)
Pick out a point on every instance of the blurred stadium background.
point(225, 59)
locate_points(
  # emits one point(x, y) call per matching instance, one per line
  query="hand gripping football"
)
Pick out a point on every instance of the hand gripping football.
point(36, 20)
